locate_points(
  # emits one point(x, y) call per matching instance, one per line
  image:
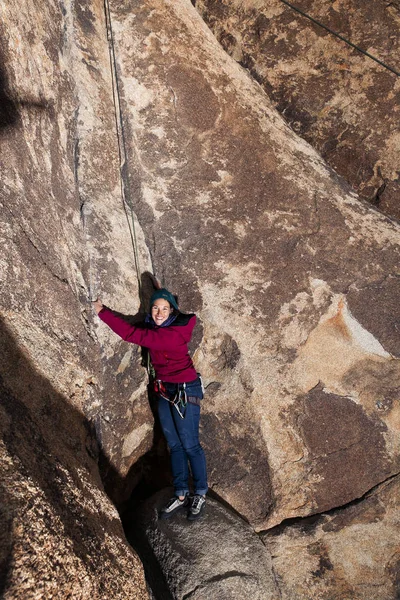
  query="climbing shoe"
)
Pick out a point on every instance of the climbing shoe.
point(196, 508)
point(173, 506)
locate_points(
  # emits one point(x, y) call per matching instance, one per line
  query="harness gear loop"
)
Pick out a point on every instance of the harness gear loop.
point(179, 400)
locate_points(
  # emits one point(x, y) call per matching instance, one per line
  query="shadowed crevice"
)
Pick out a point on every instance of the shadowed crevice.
point(8, 107)
point(310, 522)
point(10, 103)
point(47, 445)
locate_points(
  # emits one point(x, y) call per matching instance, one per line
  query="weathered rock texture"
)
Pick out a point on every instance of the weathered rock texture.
point(61, 537)
point(350, 553)
point(218, 556)
point(295, 281)
point(345, 104)
point(63, 231)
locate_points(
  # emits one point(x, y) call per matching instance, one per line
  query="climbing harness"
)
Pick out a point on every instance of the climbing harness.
point(304, 14)
point(178, 400)
point(192, 392)
point(123, 155)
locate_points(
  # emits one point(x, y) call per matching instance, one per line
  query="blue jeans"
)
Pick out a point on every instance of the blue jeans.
point(182, 437)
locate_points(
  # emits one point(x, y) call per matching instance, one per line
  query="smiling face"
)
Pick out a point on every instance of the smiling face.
point(160, 311)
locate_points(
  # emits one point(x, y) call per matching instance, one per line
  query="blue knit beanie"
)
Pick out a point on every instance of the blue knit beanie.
point(165, 295)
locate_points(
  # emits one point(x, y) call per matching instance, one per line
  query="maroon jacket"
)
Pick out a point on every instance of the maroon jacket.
point(167, 345)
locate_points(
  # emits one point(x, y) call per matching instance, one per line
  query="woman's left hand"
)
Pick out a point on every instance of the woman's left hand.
point(97, 305)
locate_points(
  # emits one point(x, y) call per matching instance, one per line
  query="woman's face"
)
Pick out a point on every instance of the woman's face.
point(160, 311)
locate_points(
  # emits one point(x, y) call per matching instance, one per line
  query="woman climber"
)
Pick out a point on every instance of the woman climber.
point(166, 333)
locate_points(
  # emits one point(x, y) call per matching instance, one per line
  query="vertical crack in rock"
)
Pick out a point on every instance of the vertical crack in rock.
point(76, 166)
point(174, 101)
point(378, 196)
point(131, 171)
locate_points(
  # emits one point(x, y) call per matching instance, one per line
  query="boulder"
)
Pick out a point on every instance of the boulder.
point(352, 553)
point(218, 556)
point(65, 229)
point(292, 276)
point(337, 98)
point(61, 537)
point(66, 386)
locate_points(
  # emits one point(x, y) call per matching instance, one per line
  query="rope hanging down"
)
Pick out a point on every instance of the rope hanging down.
point(341, 37)
point(123, 155)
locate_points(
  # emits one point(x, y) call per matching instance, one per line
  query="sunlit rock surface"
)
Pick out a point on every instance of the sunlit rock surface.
point(350, 553)
point(294, 279)
point(340, 100)
point(64, 235)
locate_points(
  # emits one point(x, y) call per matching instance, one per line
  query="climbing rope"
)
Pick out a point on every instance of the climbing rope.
point(304, 14)
point(123, 155)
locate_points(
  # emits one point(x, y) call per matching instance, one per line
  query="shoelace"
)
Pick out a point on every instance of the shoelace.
point(196, 502)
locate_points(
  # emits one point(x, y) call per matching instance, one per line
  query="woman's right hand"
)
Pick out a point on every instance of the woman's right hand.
point(97, 305)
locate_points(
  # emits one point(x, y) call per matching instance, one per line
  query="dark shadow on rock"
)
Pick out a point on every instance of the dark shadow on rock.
point(151, 471)
point(48, 446)
point(137, 537)
point(6, 541)
point(8, 107)
point(146, 476)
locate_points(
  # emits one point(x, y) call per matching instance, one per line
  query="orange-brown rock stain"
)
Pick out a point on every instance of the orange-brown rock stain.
point(336, 325)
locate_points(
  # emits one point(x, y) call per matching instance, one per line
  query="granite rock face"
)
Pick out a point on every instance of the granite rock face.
point(294, 281)
point(293, 278)
point(338, 99)
point(65, 233)
point(65, 385)
point(349, 553)
point(61, 537)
